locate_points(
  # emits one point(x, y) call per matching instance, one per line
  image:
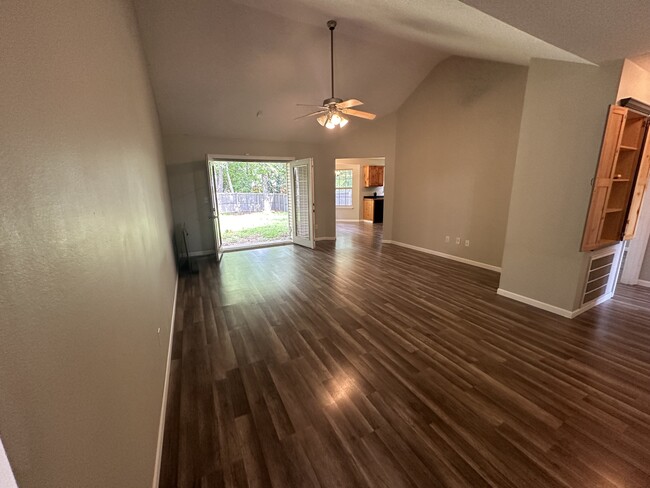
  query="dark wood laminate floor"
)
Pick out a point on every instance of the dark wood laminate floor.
point(358, 364)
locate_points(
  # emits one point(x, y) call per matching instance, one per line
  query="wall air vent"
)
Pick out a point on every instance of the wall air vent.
point(601, 275)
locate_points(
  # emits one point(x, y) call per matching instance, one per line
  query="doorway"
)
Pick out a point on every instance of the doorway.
point(253, 203)
point(359, 197)
point(260, 202)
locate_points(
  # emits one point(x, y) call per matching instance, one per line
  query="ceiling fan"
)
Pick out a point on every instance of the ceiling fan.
point(333, 110)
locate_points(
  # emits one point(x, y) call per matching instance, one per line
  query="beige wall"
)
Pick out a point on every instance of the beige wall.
point(86, 265)
point(185, 157)
point(634, 82)
point(644, 274)
point(562, 125)
point(190, 196)
point(456, 145)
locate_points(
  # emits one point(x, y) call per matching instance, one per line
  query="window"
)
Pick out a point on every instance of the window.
point(343, 187)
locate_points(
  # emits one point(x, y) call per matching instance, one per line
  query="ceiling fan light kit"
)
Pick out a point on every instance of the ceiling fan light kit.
point(333, 110)
point(332, 120)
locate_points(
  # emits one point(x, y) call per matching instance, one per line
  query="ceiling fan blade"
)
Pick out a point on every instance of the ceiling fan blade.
point(311, 114)
point(359, 113)
point(349, 103)
point(309, 105)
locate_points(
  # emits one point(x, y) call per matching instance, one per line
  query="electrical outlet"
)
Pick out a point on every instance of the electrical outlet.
point(446, 238)
point(466, 242)
point(457, 240)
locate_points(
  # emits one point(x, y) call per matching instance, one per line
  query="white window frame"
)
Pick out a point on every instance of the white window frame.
point(351, 188)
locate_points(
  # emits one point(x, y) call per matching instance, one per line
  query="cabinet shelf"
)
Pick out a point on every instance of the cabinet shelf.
point(621, 178)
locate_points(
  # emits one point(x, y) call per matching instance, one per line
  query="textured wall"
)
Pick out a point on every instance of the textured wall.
point(562, 126)
point(457, 140)
point(644, 273)
point(86, 265)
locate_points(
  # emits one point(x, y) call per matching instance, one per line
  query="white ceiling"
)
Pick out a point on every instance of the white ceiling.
point(215, 64)
point(597, 30)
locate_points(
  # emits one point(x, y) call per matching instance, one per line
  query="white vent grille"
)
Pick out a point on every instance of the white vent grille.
point(600, 277)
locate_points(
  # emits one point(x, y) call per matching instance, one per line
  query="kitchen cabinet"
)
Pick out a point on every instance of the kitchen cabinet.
point(368, 208)
point(620, 181)
point(373, 209)
point(373, 176)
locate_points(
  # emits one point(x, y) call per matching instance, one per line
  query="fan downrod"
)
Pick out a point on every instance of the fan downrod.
point(332, 24)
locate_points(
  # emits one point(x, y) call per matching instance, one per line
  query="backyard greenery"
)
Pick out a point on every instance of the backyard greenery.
point(246, 177)
point(253, 228)
point(252, 199)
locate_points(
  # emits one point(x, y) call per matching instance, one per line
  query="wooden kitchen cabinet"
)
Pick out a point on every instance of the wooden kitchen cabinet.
point(373, 209)
point(620, 181)
point(373, 176)
point(368, 207)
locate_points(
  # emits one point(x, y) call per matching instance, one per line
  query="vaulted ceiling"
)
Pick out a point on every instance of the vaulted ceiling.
point(237, 68)
point(597, 30)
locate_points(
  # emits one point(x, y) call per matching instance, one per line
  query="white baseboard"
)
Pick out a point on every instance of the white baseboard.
point(163, 409)
point(643, 283)
point(444, 255)
point(589, 305)
point(552, 308)
point(349, 220)
point(325, 239)
point(535, 303)
point(196, 254)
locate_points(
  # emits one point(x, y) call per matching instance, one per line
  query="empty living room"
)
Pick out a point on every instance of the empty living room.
point(310, 243)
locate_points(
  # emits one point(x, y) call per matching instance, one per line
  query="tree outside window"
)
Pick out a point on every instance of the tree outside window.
point(343, 187)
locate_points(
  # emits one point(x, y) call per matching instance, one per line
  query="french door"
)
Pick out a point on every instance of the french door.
point(214, 213)
point(302, 202)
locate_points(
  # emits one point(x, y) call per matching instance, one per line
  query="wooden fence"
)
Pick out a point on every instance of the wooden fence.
point(240, 203)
